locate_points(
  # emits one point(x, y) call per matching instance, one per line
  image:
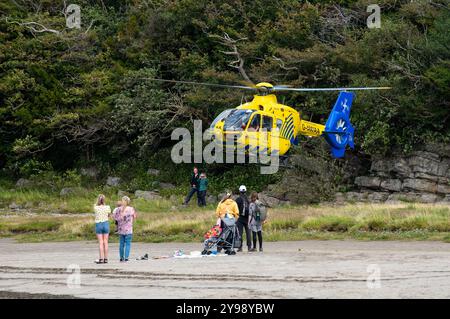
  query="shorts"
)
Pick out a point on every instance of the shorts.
point(102, 228)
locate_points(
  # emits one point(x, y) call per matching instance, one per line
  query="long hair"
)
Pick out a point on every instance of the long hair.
point(101, 200)
point(254, 196)
point(226, 196)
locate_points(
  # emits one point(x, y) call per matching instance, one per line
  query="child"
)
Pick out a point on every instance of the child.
point(256, 220)
point(202, 187)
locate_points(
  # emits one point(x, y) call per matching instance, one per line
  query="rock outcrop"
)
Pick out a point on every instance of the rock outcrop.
point(153, 172)
point(24, 183)
point(422, 176)
point(148, 195)
point(113, 181)
point(91, 172)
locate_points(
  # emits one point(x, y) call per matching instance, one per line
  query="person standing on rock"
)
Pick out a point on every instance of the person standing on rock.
point(194, 186)
point(125, 216)
point(102, 213)
point(242, 222)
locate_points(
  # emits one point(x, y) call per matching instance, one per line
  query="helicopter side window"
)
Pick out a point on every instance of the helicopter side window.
point(267, 123)
point(255, 124)
point(279, 124)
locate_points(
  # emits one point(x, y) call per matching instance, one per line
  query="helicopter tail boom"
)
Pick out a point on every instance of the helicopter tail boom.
point(338, 130)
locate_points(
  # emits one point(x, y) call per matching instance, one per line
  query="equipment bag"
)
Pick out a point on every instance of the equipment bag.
point(262, 211)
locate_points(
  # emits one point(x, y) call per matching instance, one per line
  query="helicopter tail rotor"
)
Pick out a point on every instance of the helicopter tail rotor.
point(338, 129)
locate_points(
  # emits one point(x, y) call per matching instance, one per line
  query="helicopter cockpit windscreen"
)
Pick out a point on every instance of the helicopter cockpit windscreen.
point(220, 117)
point(237, 120)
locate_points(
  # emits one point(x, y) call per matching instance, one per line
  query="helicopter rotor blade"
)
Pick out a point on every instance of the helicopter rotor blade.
point(276, 88)
point(283, 88)
point(242, 87)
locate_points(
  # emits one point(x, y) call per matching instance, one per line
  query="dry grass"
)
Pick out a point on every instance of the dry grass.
point(156, 224)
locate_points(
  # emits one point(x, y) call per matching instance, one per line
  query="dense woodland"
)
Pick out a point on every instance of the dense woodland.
point(70, 98)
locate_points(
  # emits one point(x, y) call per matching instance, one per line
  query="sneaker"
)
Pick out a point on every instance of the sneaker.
point(99, 261)
point(260, 250)
point(252, 250)
point(239, 250)
point(145, 257)
point(121, 260)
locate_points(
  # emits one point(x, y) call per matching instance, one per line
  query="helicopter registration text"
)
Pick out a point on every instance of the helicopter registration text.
point(311, 129)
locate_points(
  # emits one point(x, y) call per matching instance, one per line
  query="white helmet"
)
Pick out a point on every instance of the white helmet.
point(242, 188)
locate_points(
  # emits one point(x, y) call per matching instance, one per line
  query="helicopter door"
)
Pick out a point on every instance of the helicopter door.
point(253, 133)
point(265, 138)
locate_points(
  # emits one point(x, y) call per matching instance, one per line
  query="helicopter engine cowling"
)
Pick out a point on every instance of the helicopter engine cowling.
point(338, 129)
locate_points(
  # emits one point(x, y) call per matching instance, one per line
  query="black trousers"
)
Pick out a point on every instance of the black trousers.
point(201, 198)
point(243, 225)
point(191, 193)
point(260, 240)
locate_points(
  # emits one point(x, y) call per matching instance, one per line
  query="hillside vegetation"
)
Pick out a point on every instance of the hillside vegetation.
point(72, 98)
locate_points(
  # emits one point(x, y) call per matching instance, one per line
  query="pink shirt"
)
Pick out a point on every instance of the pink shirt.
point(125, 220)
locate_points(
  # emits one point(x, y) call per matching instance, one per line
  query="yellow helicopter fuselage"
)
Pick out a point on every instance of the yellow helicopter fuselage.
point(263, 125)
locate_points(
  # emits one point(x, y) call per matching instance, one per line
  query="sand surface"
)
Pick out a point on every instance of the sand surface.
point(302, 269)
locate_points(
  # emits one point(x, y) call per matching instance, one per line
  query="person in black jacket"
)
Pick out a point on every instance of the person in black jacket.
point(194, 186)
point(242, 222)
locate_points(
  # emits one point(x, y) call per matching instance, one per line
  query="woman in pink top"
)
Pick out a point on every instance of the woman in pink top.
point(125, 217)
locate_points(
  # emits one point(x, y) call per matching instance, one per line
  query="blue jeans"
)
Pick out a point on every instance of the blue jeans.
point(201, 198)
point(125, 246)
point(192, 191)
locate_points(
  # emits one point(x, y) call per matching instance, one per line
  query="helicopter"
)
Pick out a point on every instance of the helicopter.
point(246, 123)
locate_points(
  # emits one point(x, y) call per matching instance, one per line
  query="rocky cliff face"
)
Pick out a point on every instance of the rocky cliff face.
point(422, 176)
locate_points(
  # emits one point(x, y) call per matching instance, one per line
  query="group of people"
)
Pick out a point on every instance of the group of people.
point(247, 212)
point(199, 186)
point(244, 210)
point(124, 215)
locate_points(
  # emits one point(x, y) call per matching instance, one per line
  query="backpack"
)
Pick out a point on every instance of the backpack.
point(245, 206)
point(262, 211)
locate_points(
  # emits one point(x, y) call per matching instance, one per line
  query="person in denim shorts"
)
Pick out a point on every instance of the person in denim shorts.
point(102, 213)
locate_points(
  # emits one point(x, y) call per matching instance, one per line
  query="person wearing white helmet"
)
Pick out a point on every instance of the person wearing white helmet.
point(242, 222)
